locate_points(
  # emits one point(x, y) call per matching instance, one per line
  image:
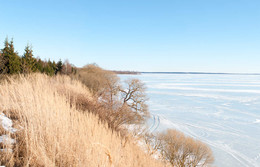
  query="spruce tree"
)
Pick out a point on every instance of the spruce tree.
point(59, 67)
point(1, 61)
point(39, 65)
point(14, 60)
point(4, 68)
point(49, 68)
point(28, 61)
point(11, 63)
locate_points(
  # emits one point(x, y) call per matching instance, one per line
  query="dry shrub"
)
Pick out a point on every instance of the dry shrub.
point(116, 104)
point(115, 118)
point(55, 133)
point(184, 151)
point(153, 145)
point(98, 81)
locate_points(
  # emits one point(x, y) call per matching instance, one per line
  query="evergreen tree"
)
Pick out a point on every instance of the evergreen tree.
point(39, 65)
point(14, 61)
point(28, 61)
point(59, 67)
point(50, 68)
point(5, 58)
point(11, 62)
point(1, 61)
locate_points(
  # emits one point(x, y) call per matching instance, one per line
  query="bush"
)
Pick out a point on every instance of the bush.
point(183, 151)
point(99, 81)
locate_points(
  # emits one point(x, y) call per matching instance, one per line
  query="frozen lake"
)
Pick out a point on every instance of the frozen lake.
point(220, 110)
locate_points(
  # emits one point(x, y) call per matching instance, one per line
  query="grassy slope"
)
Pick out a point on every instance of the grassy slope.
point(54, 133)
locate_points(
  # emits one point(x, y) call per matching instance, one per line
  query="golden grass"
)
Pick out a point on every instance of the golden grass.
point(54, 133)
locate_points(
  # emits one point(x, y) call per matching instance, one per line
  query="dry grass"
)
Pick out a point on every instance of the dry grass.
point(54, 133)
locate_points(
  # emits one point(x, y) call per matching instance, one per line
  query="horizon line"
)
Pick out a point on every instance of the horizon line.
point(228, 73)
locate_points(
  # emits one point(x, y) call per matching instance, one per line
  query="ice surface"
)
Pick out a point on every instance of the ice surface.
point(257, 121)
point(221, 110)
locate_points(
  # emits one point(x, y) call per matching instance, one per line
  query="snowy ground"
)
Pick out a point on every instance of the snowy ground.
point(221, 110)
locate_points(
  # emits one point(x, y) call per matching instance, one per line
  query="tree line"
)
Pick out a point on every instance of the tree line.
point(12, 63)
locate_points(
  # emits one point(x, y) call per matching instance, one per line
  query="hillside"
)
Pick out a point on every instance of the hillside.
point(50, 131)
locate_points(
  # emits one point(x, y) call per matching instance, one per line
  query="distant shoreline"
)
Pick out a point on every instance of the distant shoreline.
point(208, 73)
point(199, 73)
point(127, 72)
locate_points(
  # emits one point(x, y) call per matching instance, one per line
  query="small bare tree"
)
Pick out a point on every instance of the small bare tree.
point(183, 151)
point(153, 145)
point(67, 68)
point(134, 98)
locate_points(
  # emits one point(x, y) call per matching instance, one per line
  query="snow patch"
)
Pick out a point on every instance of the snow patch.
point(6, 139)
point(7, 123)
point(6, 150)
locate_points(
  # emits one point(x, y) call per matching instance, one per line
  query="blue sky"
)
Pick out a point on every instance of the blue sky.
point(140, 35)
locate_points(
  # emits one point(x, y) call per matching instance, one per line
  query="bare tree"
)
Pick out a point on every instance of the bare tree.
point(67, 67)
point(153, 145)
point(134, 98)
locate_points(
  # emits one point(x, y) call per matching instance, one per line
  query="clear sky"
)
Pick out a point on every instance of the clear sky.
point(140, 35)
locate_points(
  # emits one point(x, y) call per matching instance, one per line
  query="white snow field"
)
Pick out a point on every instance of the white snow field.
point(219, 109)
